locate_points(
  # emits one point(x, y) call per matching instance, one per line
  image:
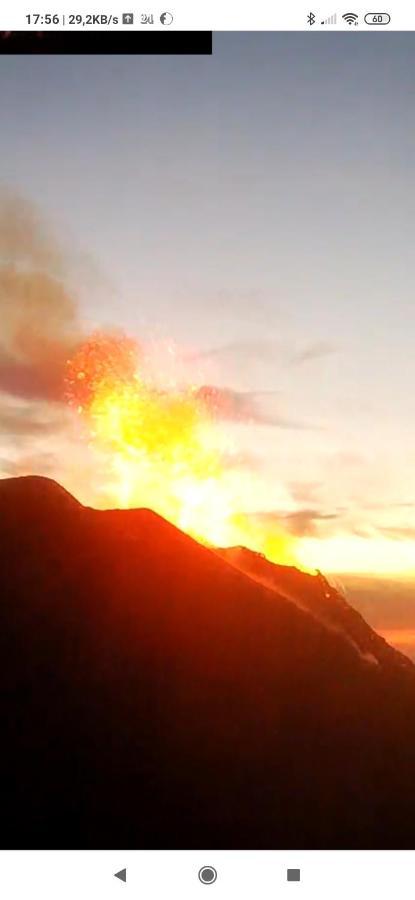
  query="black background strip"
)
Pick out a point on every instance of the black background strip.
point(106, 42)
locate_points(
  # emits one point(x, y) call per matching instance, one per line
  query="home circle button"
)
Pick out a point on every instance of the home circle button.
point(207, 875)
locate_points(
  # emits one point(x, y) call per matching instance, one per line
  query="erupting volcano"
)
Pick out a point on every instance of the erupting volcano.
point(166, 443)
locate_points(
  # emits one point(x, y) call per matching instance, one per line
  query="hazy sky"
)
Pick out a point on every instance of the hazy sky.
point(259, 203)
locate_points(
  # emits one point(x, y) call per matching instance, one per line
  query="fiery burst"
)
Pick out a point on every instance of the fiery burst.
point(165, 447)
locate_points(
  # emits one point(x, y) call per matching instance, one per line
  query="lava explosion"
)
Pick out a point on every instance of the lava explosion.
point(165, 445)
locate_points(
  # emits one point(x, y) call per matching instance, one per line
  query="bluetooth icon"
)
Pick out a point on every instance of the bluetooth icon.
point(311, 18)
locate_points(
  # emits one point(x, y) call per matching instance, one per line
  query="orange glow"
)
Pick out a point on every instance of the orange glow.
point(400, 637)
point(166, 448)
point(350, 554)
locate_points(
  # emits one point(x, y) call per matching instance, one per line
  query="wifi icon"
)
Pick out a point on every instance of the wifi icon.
point(350, 18)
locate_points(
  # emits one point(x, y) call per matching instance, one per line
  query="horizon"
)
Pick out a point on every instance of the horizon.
point(370, 577)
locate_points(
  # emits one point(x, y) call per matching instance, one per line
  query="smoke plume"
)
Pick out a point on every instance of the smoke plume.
point(37, 308)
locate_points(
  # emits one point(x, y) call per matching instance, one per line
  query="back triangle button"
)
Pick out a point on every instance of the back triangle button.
point(122, 874)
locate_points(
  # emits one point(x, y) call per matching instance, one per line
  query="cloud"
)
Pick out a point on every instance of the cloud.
point(267, 350)
point(241, 460)
point(362, 531)
point(37, 309)
point(398, 532)
point(32, 379)
point(393, 504)
point(300, 522)
point(305, 491)
point(245, 406)
point(41, 463)
point(313, 351)
point(24, 239)
point(251, 350)
point(29, 421)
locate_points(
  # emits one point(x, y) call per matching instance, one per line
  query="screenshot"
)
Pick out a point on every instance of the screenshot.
point(207, 451)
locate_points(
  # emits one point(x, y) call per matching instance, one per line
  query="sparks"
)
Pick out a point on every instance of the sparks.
point(165, 447)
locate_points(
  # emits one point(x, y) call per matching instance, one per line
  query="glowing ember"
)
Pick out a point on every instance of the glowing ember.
point(165, 447)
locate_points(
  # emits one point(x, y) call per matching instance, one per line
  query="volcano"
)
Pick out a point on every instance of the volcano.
point(160, 694)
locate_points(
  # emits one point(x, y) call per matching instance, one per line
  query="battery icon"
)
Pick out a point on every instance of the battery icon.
point(377, 18)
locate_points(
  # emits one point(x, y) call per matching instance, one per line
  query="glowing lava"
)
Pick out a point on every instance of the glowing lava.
point(165, 447)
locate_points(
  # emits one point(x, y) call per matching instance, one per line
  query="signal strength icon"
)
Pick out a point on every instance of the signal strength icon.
point(332, 20)
point(350, 18)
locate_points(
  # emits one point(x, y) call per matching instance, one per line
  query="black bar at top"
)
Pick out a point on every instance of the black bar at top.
point(106, 42)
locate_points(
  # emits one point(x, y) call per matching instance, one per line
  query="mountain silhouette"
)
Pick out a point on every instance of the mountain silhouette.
point(315, 594)
point(160, 694)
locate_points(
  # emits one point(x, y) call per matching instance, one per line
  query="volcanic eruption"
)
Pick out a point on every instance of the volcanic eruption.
point(162, 435)
point(166, 680)
point(166, 443)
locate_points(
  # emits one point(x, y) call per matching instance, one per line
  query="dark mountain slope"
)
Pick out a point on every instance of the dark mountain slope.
point(153, 696)
point(318, 596)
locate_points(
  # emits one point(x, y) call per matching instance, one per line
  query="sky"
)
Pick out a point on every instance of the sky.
point(256, 208)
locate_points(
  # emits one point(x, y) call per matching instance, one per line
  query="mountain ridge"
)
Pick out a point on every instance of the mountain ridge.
point(316, 594)
point(156, 696)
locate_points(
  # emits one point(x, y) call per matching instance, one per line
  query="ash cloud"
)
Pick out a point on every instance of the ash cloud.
point(32, 379)
point(37, 309)
point(24, 239)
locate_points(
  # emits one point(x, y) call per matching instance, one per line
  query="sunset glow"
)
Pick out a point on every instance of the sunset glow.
point(352, 554)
